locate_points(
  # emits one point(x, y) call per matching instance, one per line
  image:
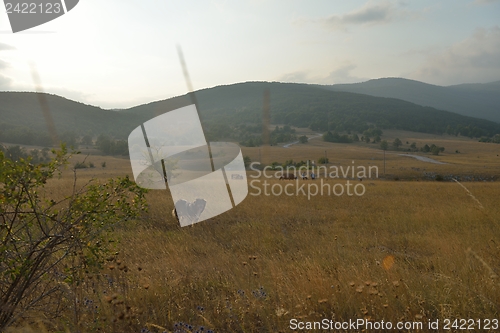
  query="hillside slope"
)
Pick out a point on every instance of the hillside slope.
point(23, 109)
point(473, 100)
point(320, 109)
point(235, 112)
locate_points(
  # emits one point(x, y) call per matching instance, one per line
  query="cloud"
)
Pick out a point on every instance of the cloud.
point(485, 2)
point(5, 83)
point(369, 14)
point(3, 64)
point(475, 59)
point(341, 74)
point(299, 77)
point(5, 47)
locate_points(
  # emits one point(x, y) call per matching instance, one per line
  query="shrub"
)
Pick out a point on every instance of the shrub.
point(274, 165)
point(80, 165)
point(384, 145)
point(48, 245)
point(323, 160)
point(397, 143)
point(247, 160)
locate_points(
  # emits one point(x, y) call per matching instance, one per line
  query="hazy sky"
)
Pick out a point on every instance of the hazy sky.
point(120, 53)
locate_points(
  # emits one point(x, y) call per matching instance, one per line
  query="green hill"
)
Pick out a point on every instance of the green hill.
point(234, 112)
point(312, 106)
point(474, 100)
point(22, 119)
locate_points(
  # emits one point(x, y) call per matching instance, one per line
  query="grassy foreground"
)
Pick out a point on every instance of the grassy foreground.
point(405, 251)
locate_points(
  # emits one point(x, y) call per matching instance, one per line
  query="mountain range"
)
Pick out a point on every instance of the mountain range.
point(235, 111)
point(480, 100)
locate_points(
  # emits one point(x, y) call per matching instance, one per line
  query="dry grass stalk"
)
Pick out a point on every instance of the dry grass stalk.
point(469, 193)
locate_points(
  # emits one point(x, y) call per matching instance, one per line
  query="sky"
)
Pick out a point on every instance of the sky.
point(122, 53)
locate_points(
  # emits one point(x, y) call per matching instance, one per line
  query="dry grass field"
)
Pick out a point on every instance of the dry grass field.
point(405, 251)
point(474, 158)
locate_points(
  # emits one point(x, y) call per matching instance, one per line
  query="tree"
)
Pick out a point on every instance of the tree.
point(247, 160)
point(384, 145)
point(303, 139)
point(372, 132)
point(104, 144)
point(329, 137)
point(111, 147)
point(397, 143)
point(323, 160)
point(68, 138)
point(86, 140)
point(45, 153)
point(15, 153)
point(48, 244)
point(435, 150)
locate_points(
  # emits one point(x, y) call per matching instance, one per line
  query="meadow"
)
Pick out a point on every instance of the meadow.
point(410, 249)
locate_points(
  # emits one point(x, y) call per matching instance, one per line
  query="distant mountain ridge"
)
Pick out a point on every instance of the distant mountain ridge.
point(317, 107)
point(234, 112)
point(480, 100)
point(23, 109)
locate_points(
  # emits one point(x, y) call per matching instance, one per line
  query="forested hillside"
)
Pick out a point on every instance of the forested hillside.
point(234, 112)
point(311, 106)
point(480, 100)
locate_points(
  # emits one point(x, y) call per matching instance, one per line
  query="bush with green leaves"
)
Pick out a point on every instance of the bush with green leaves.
point(338, 138)
point(46, 244)
point(384, 145)
point(397, 143)
point(80, 165)
point(323, 160)
point(247, 160)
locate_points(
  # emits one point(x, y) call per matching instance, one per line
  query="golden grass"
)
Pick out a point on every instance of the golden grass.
point(404, 251)
point(474, 158)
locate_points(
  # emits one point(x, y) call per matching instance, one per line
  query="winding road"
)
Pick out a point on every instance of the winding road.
point(422, 158)
point(418, 157)
point(295, 142)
